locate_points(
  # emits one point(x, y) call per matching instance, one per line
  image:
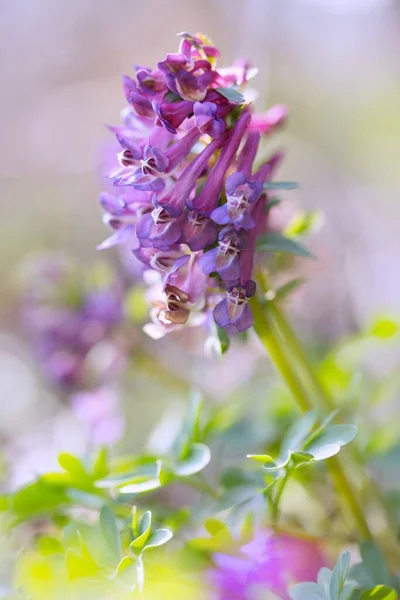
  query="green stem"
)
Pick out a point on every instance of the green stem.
point(278, 346)
point(275, 506)
point(323, 398)
point(269, 336)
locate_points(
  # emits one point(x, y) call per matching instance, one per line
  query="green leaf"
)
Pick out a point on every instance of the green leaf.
point(224, 340)
point(307, 591)
point(100, 466)
point(124, 563)
point(280, 185)
point(329, 442)
point(73, 466)
point(109, 527)
point(85, 498)
point(375, 564)
point(79, 567)
point(379, 592)
point(299, 432)
point(141, 487)
point(277, 243)
point(145, 522)
point(300, 458)
point(264, 458)
point(143, 532)
point(384, 328)
point(142, 473)
point(48, 545)
point(271, 203)
point(302, 223)
point(198, 458)
point(5, 501)
point(231, 93)
point(172, 97)
point(126, 573)
point(147, 485)
point(158, 537)
point(287, 288)
point(213, 526)
point(339, 575)
point(37, 498)
point(281, 462)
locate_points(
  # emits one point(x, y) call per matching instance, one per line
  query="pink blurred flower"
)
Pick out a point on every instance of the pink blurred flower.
point(269, 562)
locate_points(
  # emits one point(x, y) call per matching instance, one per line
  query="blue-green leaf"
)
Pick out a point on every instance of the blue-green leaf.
point(307, 591)
point(271, 203)
point(144, 529)
point(158, 537)
point(198, 458)
point(280, 185)
point(299, 432)
point(329, 442)
point(141, 486)
point(276, 242)
point(339, 575)
point(232, 94)
point(140, 474)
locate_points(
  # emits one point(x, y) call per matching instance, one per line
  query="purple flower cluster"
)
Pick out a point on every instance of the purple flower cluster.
point(269, 563)
point(185, 195)
point(73, 324)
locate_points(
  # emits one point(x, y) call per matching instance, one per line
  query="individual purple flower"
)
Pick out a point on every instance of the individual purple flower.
point(206, 119)
point(172, 114)
point(240, 194)
point(269, 563)
point(199, 232)
point(158, 227)
point(224, 259)
point(233, 313)
point(123, 212)
point(141, 105)
point(150, 82)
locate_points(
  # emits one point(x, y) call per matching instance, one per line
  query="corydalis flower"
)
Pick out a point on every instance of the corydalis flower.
point(269, 563)
point(186, 189)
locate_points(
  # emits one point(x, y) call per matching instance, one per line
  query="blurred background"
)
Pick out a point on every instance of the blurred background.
point(333, 62)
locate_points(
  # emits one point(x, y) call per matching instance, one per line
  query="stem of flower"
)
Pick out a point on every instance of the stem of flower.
point(289, 364)
point(269, 336)
point(277, 499)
